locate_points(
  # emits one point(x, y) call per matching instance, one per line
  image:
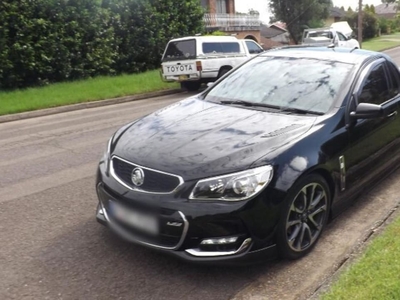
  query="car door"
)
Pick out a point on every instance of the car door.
point(373, 142)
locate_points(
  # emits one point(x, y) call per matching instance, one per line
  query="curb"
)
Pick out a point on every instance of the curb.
point(84, 105)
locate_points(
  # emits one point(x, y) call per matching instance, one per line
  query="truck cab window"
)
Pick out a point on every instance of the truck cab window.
point(341, 37)
point(253, 47)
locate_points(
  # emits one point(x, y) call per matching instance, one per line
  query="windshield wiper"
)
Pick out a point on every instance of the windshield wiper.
point(249, 104)
point(301, 111)
point(276, 107)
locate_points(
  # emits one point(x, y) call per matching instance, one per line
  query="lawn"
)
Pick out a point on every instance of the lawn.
point(81, 91)
point(376, 274)
point(383, 42)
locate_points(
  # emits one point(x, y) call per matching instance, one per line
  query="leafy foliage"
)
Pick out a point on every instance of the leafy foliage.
point(298, 14)
point(370, 23)
point(44, 41)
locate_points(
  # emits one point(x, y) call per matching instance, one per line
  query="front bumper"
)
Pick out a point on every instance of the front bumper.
point(192, 223)
point(240, 258)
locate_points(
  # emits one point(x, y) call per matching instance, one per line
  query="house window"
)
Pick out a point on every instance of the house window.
point(204, 3)
point(221, 6)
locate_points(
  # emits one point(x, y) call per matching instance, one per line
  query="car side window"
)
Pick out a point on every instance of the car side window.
point(341, 37)
point(217, 47)
point(375, 89)
point(253, 47)
point(395, 79)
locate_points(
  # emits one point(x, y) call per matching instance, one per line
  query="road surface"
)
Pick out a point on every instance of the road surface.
point(51, 247)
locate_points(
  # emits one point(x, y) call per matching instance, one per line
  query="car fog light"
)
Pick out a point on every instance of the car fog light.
point(219, 241)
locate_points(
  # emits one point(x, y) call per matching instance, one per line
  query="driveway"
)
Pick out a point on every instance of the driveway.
point(52, 247)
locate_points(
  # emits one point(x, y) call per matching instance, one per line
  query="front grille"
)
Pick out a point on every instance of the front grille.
point(154, 181)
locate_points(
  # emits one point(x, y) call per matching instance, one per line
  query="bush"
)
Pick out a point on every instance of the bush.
point(43, 41)
point(47, 40)
point(384, 26)
point(370, 23)
point(143, 28)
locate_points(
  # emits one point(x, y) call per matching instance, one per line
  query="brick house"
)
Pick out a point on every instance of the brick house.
point(221, 16)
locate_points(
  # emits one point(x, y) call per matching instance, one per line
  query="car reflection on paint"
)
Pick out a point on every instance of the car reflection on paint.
point(255, 165)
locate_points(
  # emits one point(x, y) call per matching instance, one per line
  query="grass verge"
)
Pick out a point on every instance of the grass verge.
point(383, 42)
point(376, 274)
point(98, 88)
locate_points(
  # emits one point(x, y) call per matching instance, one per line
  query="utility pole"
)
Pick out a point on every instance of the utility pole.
point(360, 23)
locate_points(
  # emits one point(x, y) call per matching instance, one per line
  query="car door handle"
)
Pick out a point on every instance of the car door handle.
point(392, 114)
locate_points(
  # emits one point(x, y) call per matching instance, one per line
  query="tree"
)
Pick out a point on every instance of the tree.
point(372, 9)
point(297, 14)
point(350, 10)
point(370, 24)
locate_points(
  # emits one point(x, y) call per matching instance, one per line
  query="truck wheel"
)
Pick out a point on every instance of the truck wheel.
point(191, 86)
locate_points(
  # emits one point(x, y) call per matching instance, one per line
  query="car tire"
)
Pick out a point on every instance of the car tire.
point(191, 86)
point(304, 215)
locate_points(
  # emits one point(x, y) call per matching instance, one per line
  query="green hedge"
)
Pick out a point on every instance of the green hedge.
point(43, 41)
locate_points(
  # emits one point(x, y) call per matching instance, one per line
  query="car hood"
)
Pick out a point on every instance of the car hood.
point(197, 139)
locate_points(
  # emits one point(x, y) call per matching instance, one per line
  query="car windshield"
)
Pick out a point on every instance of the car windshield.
point(285, 83)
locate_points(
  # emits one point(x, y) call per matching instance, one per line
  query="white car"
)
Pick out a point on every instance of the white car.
point(339, 35)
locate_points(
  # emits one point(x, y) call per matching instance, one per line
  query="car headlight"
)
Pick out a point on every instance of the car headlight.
point(233, 187)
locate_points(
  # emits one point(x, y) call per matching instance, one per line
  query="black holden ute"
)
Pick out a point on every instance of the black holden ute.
point(256, 164)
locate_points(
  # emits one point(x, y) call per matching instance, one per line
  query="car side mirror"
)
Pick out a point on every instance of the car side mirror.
point(367, 111)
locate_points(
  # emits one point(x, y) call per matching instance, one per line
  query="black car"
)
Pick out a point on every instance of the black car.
point(255, 165)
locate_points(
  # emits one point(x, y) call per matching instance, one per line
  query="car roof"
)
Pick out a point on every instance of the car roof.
point(207, 38)
point(344, 55)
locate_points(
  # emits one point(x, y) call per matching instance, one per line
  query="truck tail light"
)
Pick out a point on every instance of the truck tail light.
point(198, 66)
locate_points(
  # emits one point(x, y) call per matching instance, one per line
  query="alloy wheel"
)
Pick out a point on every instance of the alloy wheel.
point(306, 217)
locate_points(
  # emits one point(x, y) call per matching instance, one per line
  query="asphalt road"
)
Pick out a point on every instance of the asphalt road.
point(51, 247)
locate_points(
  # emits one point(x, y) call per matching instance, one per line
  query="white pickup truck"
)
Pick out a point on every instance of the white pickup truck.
point(339, 35)
point(199, 59)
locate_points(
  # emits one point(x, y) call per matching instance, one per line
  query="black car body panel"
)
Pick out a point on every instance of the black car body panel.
point(178, 138)
point(196, 139)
